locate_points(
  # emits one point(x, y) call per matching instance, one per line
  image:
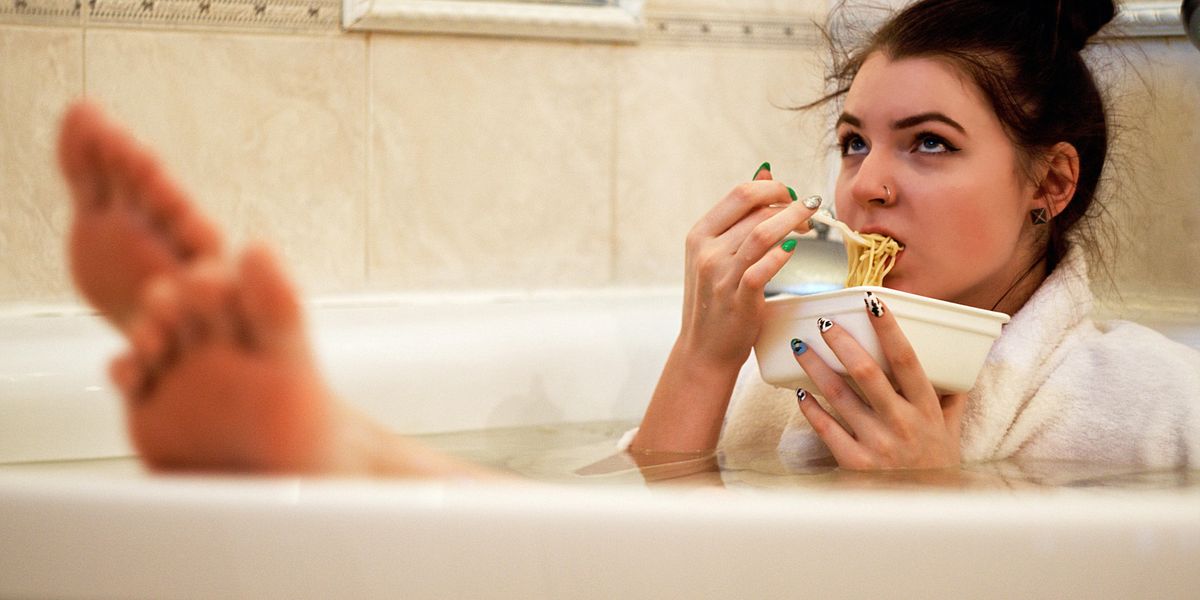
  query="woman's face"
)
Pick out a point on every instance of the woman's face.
point(958, 200)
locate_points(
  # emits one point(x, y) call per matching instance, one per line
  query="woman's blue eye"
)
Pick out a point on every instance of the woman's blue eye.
point(932, 144)
point(853, 145)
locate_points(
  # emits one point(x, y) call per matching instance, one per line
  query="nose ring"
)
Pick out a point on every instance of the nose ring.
point(887, 193)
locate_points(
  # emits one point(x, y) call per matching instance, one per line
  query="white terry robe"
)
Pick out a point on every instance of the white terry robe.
point(1055, 385)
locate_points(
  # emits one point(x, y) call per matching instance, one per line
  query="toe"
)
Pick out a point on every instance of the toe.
point(73, 139)
point(268, 303)
point(195, 236)
point(162, 306)
point(120, 166)
point(128, 376)
point(206, 288)
point(148, 341)
point(78, 154)
point(135, 169)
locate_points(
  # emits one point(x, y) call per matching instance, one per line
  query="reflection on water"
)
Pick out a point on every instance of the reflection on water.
point(584, 453)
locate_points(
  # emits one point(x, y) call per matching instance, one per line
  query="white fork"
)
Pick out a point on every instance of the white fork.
point(823, 216)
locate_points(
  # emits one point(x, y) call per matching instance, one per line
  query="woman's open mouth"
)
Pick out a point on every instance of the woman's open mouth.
point(884, 232)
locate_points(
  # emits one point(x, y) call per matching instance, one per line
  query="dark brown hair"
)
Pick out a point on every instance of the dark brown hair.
point(1025, 57)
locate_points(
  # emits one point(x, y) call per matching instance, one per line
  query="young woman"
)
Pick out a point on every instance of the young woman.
point(971, 131)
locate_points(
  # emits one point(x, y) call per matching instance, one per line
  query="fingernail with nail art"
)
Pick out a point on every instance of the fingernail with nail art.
point(801, 395)
point(812, 202)
point(874, 304)
point(824, 324)
point(798, 347)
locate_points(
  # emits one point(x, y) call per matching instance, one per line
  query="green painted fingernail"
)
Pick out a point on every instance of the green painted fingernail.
point(763, 167)
point(793, 194)
point(788, 245)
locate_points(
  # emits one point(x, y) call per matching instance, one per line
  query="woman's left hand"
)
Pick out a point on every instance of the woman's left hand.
point(906, 426)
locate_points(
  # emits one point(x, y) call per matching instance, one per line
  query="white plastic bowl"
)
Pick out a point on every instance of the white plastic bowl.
point(951, 340)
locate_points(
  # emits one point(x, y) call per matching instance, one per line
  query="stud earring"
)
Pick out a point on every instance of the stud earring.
point(1038, 216)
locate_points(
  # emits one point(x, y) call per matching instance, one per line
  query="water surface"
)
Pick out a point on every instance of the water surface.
point(585, 454)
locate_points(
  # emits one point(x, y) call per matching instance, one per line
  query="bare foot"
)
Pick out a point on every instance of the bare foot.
point(220, 377)
point(131, 221)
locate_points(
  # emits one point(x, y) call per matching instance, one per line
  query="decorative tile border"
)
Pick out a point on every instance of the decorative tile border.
point(1158, 18)
point(728, 31)
point(54, 12)
point(256, 14)
point(273, 15)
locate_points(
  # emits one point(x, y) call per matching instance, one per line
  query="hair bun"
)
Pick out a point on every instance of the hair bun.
point(1079, 20)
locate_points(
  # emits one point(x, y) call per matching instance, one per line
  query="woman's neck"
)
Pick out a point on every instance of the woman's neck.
point(1022, 288)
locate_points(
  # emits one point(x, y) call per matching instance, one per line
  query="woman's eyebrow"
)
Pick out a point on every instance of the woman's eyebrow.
point(848, 118)
point(915, 120)
point(906, 122)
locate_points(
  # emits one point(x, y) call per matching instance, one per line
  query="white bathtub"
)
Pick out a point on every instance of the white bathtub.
point(79, 529)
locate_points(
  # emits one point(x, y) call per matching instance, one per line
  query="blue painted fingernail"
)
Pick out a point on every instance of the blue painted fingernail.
point(824, 324)
point(798, 347)
point(874, 304)
point(801, 395)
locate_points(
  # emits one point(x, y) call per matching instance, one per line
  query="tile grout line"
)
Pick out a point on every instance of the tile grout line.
point(84, 13)
point(369, 156)
point(613, 166)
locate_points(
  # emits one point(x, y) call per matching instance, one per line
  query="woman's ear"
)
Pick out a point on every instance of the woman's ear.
point(1058, 183)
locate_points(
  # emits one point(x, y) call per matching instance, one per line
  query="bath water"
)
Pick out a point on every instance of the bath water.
point(585, 454)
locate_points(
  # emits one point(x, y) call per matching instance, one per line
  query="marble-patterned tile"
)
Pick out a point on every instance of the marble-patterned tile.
point(695, 121)
point(41, 70)
point(491, 163)
point(1153, 186)
point(267, 131)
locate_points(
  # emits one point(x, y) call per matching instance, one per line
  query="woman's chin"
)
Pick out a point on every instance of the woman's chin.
point(901, 284)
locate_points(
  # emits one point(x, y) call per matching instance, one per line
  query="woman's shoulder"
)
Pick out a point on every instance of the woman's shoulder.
point(1154, 340)
point(1117, 392)
point(1120, 350)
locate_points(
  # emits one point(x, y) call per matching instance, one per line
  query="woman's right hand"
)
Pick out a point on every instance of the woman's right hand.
point(732, 252)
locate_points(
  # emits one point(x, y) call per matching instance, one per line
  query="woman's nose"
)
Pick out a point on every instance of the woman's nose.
point(873, 185)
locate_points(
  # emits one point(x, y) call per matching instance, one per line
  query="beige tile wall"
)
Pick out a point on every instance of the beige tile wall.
point(391, 162)
point(492, 163)
point(685, 142)
point(40, 70)
point(1155, 185)
point(386, 162)
point(268, 131)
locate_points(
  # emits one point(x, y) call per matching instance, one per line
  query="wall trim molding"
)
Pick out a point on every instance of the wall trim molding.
point(1147, 19)
point(623, 22)
point(291, 16)
point(619, 21)
point(725, 30)
point(41, 12)
point(284, 15)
